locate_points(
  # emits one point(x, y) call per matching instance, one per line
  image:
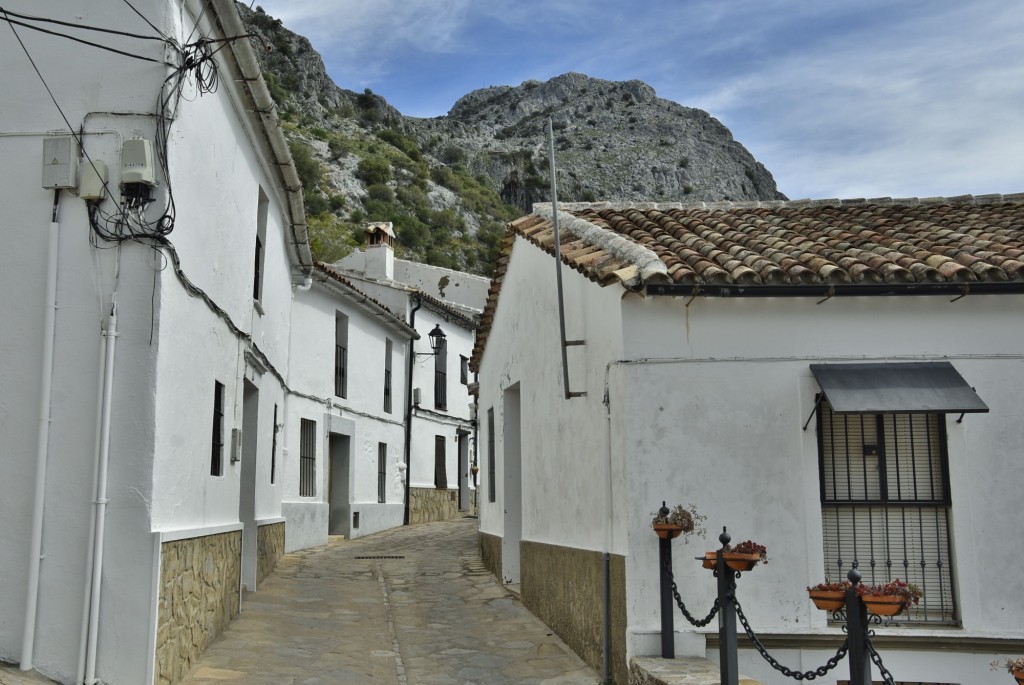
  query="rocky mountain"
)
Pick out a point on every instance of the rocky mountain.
point(450, 183)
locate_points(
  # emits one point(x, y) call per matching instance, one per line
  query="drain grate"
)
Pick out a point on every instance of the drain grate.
point(381, 557)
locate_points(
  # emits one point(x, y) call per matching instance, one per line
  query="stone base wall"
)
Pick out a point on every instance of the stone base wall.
point(269, 548)
point(564, 587)
point(199, 586)
point(490, 553)
point(431, 504)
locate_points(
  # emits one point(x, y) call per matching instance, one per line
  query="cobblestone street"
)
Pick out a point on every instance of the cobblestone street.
point(412, 605)
point(408, 606)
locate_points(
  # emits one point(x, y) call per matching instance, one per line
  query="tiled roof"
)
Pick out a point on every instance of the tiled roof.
point(796, 243)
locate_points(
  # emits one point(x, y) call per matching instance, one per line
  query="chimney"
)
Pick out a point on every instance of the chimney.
point(380, 251)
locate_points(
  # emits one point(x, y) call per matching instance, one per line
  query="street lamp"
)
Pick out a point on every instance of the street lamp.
point(437, 338)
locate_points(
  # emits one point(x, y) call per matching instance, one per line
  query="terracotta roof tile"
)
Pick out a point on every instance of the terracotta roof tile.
point(965, 239)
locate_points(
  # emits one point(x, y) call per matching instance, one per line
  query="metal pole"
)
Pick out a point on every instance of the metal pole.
point(558, 258)
point(856, 632)
point(727, 657)
point(668, 634)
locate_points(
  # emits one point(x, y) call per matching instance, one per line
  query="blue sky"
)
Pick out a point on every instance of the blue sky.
point(838, 98)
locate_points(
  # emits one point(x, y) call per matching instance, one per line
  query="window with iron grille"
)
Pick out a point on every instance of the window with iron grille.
point(307, 458)
point(387, 376)
point(382, 471)
point(464, 369)
point(273, 448)
point(441, 377)
point(885, 503)
point(492, 494)
point(340, 355)
point(217, 441)
point(440, 467)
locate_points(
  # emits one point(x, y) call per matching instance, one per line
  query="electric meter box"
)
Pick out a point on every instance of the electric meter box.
point(94, 176)
point(60, 163)
point(137, 162)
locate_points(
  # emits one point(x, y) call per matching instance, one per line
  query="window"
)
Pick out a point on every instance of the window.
point(261, 240)
point(217, 441)
point(340, 355)
point(387, 376)
point(440, 469)
point(382, 471)
point(273, 448)
point(885, 503)
point(464, 369)
point(492, 494)
point(441, 376)
point(307, 458)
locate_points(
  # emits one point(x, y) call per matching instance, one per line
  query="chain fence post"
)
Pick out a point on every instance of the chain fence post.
point(727, 646)
point(668, 641)
point(857, 632)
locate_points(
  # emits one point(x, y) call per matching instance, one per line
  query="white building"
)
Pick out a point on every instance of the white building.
point(344, 422)
point(711, 335)
point(439, 447)
point(145, 340)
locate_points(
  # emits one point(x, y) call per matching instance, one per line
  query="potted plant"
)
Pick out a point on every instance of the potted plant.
point(889, 599)
point(1013, 666)
point(671, 523)
point(742, 556)
point(829, 596)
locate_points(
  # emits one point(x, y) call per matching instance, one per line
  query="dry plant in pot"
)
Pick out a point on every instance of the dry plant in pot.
point(889, 599)
point(1014, 667)
point(829, 596)
point(671, 523)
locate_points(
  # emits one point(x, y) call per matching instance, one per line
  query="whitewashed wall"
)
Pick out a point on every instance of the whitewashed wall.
point(169, 350)
point(360, 416)
point(571, 500)
point(455, 287)
point(428, 421)
point(719, 424)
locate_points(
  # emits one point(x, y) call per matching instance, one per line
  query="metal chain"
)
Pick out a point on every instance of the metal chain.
point(773, 662)
point(700, 623)
point(877, 659)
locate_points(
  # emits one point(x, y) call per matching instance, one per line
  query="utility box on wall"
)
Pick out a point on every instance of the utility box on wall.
point(60, 163)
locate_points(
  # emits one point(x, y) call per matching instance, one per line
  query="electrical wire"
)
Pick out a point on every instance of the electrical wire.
point(158, 31)
point(87, 27)
point(14, 22)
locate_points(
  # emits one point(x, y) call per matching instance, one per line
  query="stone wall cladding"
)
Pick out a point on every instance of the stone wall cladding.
point(431, 504)
point(564, 587)
point(678, 671)
point(269, 548)
point(490, 553)
point(199, 586)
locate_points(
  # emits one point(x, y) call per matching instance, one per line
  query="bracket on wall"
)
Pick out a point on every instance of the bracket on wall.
point(817, 403)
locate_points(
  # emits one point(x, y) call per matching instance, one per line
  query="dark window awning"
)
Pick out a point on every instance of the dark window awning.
point(897, 388)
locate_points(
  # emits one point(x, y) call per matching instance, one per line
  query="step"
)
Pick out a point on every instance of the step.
point(688, 670)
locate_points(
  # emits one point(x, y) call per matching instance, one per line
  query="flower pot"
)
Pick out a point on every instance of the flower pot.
point(740, 562)
point(886, 605)
point(669, 531)
point(828, 600)
point(710, 559)
point(1019, 675)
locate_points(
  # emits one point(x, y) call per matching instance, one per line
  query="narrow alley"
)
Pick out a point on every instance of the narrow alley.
point(407, 606)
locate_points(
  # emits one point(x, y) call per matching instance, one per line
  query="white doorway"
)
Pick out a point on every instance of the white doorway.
point(513, 491)
point(247, 484)
point(339, 489)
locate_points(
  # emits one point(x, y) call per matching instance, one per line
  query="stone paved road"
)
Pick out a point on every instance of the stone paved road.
point(434, 617)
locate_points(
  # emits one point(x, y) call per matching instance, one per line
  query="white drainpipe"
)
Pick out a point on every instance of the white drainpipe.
point(110, 342)
point(43, 439)
point(87, 592)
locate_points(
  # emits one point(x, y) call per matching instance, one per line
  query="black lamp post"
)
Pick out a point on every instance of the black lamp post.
point(437, 338)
